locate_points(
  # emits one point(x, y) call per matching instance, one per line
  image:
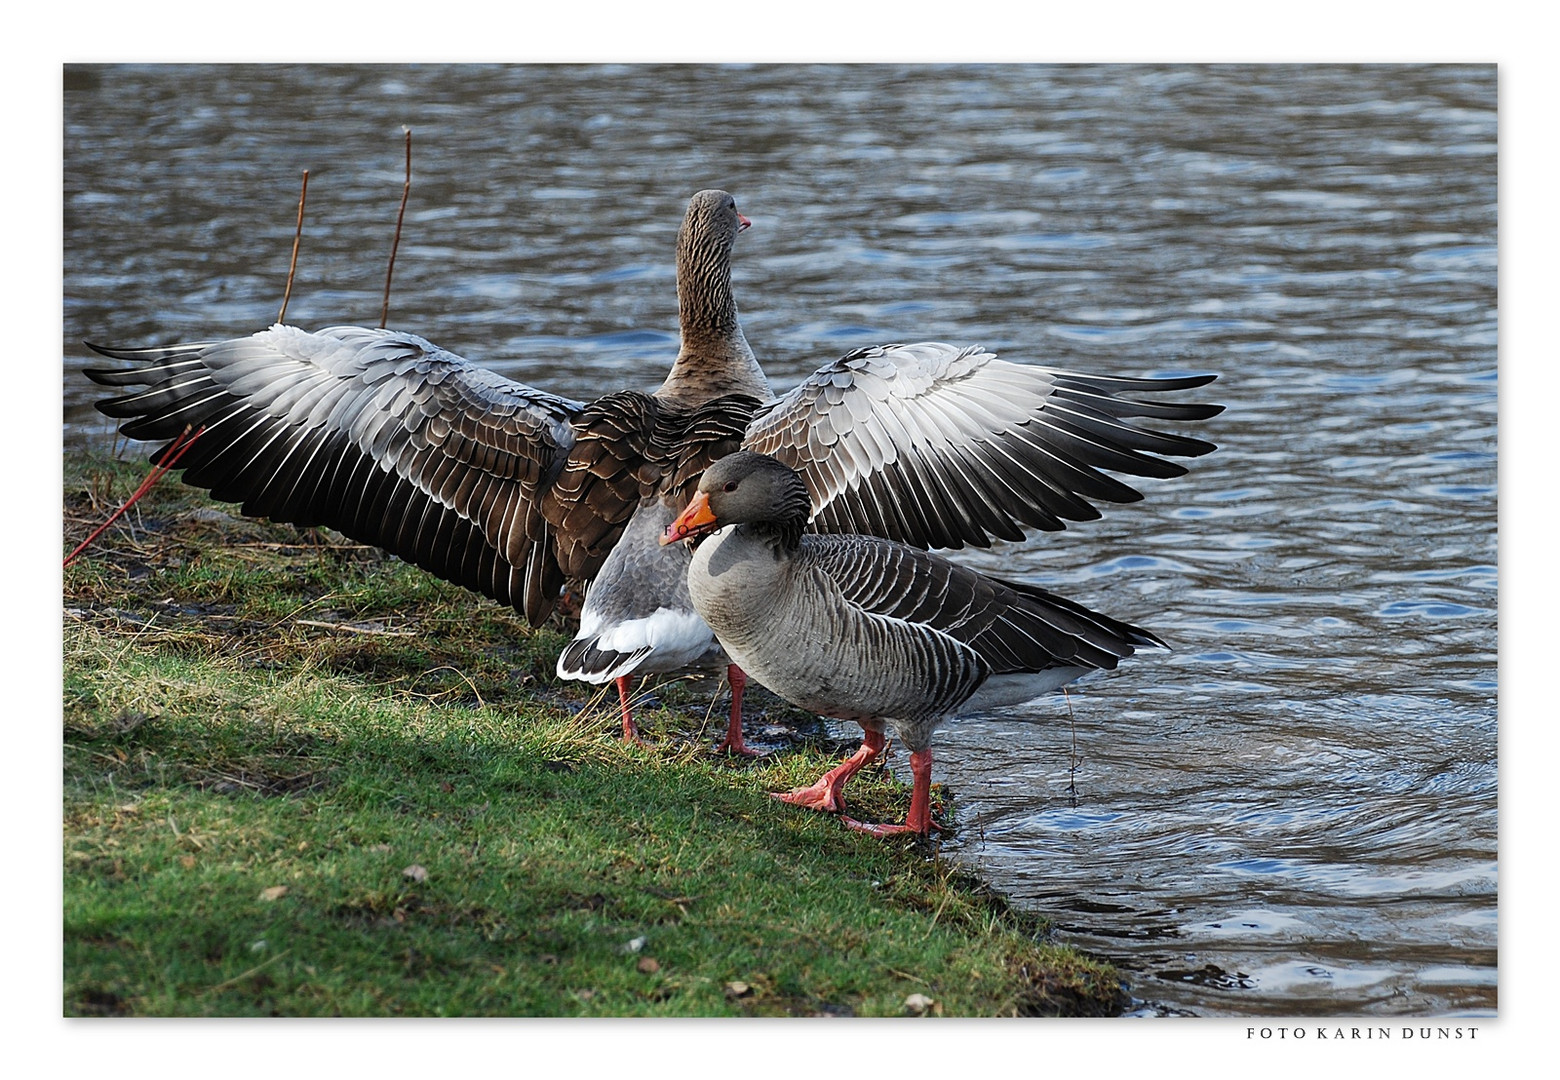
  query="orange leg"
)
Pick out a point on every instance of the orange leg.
point(826, 794)
point(919, 820)
point(630, 731)
point(733, 742)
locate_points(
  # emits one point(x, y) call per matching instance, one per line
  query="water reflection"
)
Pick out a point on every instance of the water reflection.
point(1292, 813)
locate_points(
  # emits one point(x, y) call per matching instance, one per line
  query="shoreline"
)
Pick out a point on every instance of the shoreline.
point(305, 778)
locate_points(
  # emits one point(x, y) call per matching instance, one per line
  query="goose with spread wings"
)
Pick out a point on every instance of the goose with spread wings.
point(512, 491)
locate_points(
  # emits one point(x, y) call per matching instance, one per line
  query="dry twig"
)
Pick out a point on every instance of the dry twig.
point(406, 190)
point(236, 979)
point(297, 239)
point(350, 629)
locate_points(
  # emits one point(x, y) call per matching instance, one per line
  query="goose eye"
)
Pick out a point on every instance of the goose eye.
point(731, 485)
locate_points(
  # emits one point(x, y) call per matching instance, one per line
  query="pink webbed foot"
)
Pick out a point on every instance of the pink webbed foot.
point(824, 796)
point(887, 830)
point(733, 743)
point(827, 794)
point(919, 819)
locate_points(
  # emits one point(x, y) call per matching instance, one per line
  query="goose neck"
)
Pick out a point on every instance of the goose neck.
point(706, 307)
point(782, 538)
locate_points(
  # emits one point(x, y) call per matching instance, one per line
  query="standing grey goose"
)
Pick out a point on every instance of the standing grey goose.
point(866, 629)
point(512, 491)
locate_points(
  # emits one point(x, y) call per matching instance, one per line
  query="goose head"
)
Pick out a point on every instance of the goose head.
point(745, 489)
point(709, 230)
point(706, 306)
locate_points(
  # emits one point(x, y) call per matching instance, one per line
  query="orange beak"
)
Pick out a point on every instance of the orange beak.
point(694, 521)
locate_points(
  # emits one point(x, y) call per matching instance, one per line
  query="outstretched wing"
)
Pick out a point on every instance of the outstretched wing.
point(939, 446)
point(378, 434)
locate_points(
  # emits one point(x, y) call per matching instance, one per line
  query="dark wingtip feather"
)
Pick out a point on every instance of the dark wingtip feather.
point(1172, 383)
point(116, 376)
point(1148, 640)
point(1203, 411)
point(1189, 447)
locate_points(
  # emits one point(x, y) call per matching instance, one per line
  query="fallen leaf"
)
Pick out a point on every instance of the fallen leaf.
point(415, 872)
point(738, 989)
point(918, 1003)
point(187, 861)
point(649, 965)
point(275, 892)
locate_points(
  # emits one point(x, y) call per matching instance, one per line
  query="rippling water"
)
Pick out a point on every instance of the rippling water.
point(1293, 813)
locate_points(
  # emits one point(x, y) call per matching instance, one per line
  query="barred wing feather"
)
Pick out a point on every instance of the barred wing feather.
point(939, 446)
point(379, 434)
point(1012, 626)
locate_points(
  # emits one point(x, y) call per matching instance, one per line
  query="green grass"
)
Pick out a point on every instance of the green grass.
point(304, 779)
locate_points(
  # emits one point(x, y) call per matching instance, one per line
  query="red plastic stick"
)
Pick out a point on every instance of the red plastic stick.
point(170, 458)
